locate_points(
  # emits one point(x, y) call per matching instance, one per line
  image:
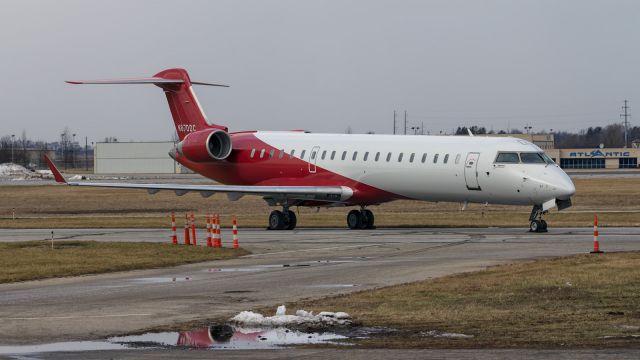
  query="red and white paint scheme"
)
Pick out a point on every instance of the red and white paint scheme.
point(297, 168)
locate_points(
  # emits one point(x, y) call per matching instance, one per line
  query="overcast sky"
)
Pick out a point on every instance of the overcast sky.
point(319, 65)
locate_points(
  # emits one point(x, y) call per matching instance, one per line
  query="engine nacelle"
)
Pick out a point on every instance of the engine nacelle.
point(205, 145)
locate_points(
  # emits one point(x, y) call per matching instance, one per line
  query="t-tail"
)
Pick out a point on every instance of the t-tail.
point(187, 113)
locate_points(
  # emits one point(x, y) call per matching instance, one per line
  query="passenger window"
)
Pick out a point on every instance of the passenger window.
point(261, 153)
point(366, 155)
point(324, 153)
point(355, 155)
point(511, 158)
point(400, 157)
point(344, 155)
point(313, 155)
point(253, 152)
point(388, 157)
point(293, 152)
point(457, 159)
point(532, 158)
point(281, 155)
point(271, 153)
point(413, 155)
point(446, 158)
point(377, 156)
point(302, 154)
point(435, 158)
point(333, 154)
point(424, 157)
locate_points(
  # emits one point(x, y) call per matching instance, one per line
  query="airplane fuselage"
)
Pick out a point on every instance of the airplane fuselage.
point(381, 168)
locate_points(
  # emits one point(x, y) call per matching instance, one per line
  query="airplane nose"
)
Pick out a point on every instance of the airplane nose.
point(565, 187)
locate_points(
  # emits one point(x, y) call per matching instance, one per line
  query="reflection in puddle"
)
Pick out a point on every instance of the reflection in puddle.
point(333, 285)
point(228, 337)
point(212, 337)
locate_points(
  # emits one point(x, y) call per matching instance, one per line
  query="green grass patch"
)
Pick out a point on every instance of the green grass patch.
point(31, 260)
point(577, 301)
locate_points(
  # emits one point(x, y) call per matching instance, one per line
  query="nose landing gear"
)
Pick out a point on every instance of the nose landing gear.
point(360, 219)
point(536, 223)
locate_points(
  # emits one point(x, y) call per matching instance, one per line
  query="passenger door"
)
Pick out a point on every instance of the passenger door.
point(471, 171)
point(315, 152)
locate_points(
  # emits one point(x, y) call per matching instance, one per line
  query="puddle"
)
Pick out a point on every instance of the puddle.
point(328, 286)
point(159, 280)
point(243, 269)
point(212, 337)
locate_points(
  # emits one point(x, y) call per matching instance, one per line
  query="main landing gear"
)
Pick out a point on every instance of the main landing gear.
point(282, 220)
point(360, 219)
point(537, 224)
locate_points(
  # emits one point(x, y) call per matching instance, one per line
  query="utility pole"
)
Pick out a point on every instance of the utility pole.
point(86, 154)
point(626, 117)
point(405, 122)
point(394, 122)
point(422, 128)
point(13, 137)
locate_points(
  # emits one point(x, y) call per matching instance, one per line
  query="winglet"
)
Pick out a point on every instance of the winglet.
point(54, 170)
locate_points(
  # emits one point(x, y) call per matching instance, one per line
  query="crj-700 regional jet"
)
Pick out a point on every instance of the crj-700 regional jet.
point(298, 168)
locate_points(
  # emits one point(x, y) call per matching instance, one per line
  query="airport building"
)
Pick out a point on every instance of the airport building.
point(598, 158)
point(135, 158)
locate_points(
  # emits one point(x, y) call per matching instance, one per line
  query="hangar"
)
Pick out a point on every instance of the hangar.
point(135, 157)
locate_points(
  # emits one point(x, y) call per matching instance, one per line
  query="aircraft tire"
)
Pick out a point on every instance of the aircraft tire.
point(370, 219)
point(354, 220)
point(536, 226)
point(276, 220)
point(544, 225)
point(293, 220)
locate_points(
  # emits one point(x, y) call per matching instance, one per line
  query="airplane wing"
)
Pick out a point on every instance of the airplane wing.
point(234, 192)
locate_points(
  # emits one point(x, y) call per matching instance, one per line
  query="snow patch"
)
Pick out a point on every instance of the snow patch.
point(302, 317)
point(442, 334)
point(17, 172)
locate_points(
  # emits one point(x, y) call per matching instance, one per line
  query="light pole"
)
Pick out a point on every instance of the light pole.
point(13, 136)
point(528, 128)
point(415, 129)
point(73, 152)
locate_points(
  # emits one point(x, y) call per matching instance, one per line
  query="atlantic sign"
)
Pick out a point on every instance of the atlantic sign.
point(600, 153)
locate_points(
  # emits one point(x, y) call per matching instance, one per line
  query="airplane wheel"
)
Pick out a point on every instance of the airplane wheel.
point(535, 226)
point(293, 220)
point(544, 226)
point(276, 220)
point(354, 220)
point(370, 219)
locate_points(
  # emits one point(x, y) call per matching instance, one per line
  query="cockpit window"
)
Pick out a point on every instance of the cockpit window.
point(548, 159)
point(532, 158)
point(508, 158)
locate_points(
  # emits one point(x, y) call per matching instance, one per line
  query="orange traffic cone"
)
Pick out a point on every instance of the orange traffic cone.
point(218, 241)
point(208, 231)
point(235, 233)
point(596, 243)
point(186, 230)
point(193, 229)
point(174, 236)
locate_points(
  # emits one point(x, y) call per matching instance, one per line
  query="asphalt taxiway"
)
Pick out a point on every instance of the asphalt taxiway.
point(284, 266)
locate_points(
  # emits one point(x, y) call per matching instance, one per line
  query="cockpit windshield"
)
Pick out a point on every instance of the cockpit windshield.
point(523, 157)
point(532, 158)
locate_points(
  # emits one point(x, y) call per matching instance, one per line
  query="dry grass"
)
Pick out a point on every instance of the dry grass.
point(31, 260)
point(570, 301)
point(614, 199)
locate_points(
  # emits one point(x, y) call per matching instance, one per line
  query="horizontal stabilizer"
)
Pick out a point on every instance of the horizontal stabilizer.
point(148, 80)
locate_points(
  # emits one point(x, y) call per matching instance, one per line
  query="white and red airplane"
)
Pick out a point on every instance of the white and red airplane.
point(298, 168)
